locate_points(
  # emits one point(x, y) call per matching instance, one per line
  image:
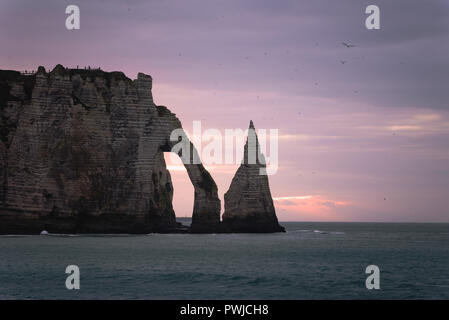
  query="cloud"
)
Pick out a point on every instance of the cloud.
point(289, 47)
point(287, 203)
point(293, 198)
point(377, 123)
point(309, 207)
point(415, 124)
point(329, 204)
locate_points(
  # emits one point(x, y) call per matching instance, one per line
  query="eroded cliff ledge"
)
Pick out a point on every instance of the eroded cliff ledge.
point(82, 151)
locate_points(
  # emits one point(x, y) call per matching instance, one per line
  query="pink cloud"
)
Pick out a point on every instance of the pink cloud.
point(310, 207)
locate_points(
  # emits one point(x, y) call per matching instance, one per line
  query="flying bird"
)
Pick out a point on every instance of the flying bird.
point(343, 61)
point(348, 45)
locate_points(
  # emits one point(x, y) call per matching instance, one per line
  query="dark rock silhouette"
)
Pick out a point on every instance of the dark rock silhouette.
point(82, 151)
point(248, 202)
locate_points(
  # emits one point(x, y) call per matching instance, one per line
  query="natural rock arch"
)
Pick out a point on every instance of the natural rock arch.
point(207, 205)
point(82, 151)
point(85, 154)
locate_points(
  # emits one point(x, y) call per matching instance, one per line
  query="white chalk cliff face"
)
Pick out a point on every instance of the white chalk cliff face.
point(82, 151)
point(248, 202)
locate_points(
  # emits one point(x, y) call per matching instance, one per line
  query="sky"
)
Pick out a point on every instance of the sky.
point(363, 131)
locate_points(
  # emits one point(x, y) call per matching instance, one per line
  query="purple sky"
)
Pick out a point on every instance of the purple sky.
point(367, 140)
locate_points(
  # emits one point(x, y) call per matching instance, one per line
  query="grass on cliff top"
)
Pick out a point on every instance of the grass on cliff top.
point(108, 76)
point(12, 75)
point(92, 74)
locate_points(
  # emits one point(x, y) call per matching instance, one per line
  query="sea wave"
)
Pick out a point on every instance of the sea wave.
point(315, 231)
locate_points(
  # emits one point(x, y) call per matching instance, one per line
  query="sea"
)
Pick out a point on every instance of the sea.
point(310, 261)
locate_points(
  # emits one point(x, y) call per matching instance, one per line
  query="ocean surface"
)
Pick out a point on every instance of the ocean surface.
point(309, 261)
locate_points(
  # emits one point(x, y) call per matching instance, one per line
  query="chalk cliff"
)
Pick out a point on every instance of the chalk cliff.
point(248, 203)
point(82, 151)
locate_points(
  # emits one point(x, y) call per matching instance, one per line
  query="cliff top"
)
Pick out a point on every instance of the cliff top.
point(12, 75)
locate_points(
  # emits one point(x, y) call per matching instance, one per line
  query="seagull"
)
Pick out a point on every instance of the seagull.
point(347, 45)
point(343, 61)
